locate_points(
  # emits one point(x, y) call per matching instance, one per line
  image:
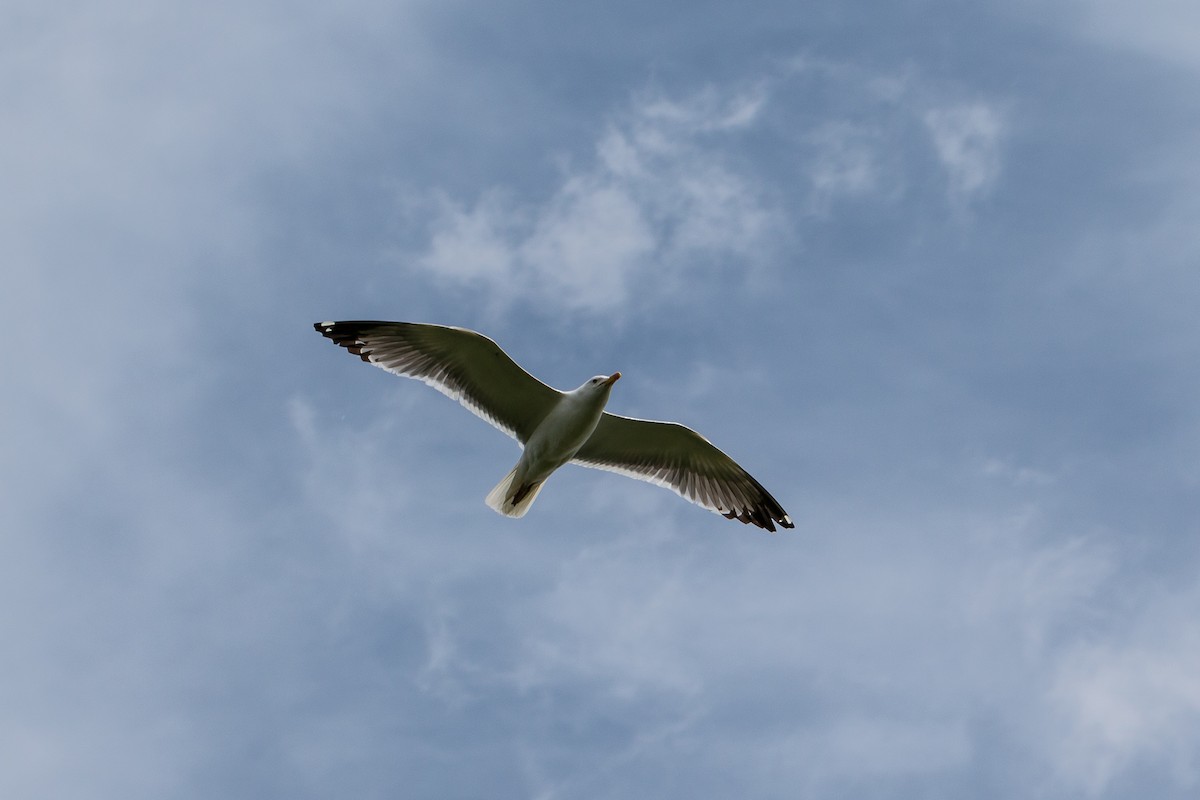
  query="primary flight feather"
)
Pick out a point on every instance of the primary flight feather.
point(557, 427)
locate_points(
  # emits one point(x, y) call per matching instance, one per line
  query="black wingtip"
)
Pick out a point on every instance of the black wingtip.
point(766, 511)
point(763, 516)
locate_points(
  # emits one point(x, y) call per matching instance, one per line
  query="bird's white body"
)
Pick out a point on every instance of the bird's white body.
point(554, 442)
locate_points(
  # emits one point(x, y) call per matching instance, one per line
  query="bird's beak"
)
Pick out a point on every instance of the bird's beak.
point(611, 379)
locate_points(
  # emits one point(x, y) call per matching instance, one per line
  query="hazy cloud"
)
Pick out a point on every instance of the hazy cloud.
point(239, 563)
point(1132, 697)
point(654, 196)
point(1165, 29)
point(967, 139)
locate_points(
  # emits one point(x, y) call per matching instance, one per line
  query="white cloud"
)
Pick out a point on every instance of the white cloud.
point(654, 204)
point(846, 161)
point(132, 141)
point(1016, 475)
point(919, 628)
point(470, 245)
point(587, 245)
point(874, 747)
point(614, 619)
point(863, 149)
point(1165, 29)
point(203, 594)
point(671, 192)
point(1133, 697)
point(707, 110)
point(967, 139)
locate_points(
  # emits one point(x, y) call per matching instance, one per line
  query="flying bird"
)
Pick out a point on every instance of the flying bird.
point(557, 427)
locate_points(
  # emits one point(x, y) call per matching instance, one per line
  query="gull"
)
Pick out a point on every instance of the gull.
point(555, 427)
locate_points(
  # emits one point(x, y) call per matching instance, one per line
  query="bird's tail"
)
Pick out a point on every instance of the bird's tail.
point(510, 500)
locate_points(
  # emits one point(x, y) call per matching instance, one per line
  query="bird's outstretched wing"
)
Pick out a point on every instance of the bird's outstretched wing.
point(671, 455)
point(459, 363)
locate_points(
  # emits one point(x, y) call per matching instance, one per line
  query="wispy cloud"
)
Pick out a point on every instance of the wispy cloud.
point(967, 139)
point(846, 162)
point(864, 148)
point(240, 563)
point(666, 195)
point(655, 204)
point(1131, 697)
point(1163, 29)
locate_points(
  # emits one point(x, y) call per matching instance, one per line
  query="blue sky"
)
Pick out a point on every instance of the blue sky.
point(928, 270)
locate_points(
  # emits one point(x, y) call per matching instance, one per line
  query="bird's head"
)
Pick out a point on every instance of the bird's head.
point(600, 384)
